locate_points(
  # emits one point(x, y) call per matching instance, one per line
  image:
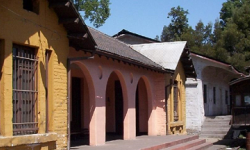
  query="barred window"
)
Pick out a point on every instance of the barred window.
point(176, 103)
point(24, 91)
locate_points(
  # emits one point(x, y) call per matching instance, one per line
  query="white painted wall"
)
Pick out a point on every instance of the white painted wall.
point(194, 106)
point(213, 74)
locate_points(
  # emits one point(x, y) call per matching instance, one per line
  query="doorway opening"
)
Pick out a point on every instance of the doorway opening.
point(80, 108)
point(141, 109)
point(114, 109)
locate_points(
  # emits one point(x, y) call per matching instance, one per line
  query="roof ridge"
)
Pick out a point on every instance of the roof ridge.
point(160, 43)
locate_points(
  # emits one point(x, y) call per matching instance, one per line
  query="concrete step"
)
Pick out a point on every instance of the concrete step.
point(172, 143)
point(219, 117)
point(217, 120)
point(201, 146)
point(210, 125)
point(209, 128)
point(214, 132)
point(216, 127)
point(186, 145)
point(217, 136)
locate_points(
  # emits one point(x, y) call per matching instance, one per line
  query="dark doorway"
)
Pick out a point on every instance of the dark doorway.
point(78, 135)
point(141, 105)
point(114, 109)
point(118, 108)
point(76, 105)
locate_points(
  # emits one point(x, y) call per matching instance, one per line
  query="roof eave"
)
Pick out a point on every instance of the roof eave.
point(77, 31)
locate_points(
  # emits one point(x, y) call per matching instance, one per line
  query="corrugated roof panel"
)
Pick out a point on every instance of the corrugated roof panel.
point(166, 54)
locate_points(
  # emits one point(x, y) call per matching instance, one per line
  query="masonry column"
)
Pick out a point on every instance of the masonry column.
point(129, 111)
point(6, 91)
point(98, 114)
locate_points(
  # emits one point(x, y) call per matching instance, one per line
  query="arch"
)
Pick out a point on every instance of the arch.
point(116, 97)
point(143, 109)
point(82, 104)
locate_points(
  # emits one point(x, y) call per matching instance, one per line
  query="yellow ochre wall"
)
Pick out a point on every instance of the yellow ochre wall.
point(42, 32)
point(178, 127)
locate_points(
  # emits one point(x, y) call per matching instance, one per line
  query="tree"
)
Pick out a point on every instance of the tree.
point(97, 11)
point(234, 33)
point(178, 25)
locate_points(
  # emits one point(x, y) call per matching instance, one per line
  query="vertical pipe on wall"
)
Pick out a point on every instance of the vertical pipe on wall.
point(68, 100)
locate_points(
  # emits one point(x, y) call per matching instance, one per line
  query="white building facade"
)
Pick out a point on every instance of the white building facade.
point(209, 94)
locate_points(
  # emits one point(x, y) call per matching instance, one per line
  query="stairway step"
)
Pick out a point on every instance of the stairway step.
point(186, 145)
point(201, 146)
point(210, 125)
point(172, 143)
point(214, 132)
point(219, 117)
point(219, 136)
point(218, 121)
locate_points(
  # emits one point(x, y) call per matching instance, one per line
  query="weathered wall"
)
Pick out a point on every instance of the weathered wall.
point(213, 74)
point(196, 114)
point(42, 32)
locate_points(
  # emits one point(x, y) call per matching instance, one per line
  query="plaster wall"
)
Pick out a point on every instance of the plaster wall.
point(212, 74)
point(41, 32)
point(97, 72)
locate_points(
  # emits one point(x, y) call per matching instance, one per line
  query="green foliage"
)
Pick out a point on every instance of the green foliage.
point(227, 40)
point(178, 25)
point(97, 11)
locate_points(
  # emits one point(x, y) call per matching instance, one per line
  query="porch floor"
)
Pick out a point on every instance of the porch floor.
point(139, 143)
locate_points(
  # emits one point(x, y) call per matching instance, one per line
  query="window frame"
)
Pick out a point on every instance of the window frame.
point(25, 90)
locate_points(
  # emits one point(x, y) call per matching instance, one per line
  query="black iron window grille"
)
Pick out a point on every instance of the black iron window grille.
point(25, 94)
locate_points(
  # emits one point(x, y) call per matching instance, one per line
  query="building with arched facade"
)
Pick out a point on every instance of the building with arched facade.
point(173, 56)
point(115, 92)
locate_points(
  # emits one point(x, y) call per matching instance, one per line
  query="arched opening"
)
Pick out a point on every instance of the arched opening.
point(79, 107)
point(142, 116)
point(114, 108)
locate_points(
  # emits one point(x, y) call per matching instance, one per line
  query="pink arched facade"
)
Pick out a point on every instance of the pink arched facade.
point(98, 75)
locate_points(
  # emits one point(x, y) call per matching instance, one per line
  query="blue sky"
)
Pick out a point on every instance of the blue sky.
point(147, 17)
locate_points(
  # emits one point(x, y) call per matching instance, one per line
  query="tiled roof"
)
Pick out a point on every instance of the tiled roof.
point(107, 44)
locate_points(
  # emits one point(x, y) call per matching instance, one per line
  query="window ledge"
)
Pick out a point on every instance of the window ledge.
point(10, 141)
point(178, 123)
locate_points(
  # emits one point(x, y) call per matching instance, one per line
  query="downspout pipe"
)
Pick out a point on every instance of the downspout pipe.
point(69, 60)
